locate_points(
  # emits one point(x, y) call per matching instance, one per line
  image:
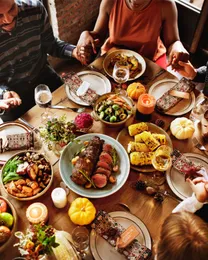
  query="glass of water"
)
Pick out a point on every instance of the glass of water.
point(121, 75)
point(43, 98)
point(80, 237)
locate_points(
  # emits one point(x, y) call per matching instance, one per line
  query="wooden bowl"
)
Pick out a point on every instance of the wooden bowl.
point(39, 193)
point(12, 211)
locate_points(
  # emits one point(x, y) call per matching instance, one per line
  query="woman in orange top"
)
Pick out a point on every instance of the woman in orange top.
point(136, 25)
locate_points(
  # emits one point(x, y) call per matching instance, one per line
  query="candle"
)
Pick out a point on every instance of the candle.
point(59, 198)
point(146, 104)
point(37, 212)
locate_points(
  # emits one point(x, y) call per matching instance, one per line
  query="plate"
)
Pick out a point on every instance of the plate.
point(98, 82)
point(112, 54)
point(102, 250)
point(162, 86)
point(176, 179)
point(66, 167)
point(124, 138)
point(8, 129)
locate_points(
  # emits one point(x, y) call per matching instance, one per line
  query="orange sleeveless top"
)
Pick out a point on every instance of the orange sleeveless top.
point(138, 31)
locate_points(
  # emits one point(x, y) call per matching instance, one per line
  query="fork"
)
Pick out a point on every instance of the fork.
point(199, 146)
point(77, 110)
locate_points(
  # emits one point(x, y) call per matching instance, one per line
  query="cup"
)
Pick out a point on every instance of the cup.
point(161, 159)
point(59, 197)
point(80, 237)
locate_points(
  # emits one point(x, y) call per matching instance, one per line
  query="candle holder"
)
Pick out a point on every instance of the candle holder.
point(145, 107)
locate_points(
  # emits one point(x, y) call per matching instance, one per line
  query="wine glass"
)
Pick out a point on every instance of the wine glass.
point(121, 75)
point(80, 237)
point(43, 98)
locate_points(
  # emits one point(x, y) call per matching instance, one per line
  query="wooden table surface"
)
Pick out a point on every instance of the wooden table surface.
point(151, 212)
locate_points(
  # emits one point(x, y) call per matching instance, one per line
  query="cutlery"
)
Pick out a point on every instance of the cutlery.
point(77, 110)
point(199, 146)
point(93, 68)
point(22, 120)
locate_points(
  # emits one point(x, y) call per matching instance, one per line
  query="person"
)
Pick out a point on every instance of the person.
point(26, 38)
point(138, 25)
point(183, 236)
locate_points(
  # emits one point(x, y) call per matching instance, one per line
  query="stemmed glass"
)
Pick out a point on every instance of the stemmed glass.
point(43, 98)
point(121, 75)
point(80, 237)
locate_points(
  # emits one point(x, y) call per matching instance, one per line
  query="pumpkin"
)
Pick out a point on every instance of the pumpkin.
point(82, 211)
point(182, 128)
point(135, 89)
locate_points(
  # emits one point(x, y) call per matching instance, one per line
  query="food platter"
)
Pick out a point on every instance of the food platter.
point(176, 180)
point(102, 250)
point(66, 167)
point(162, 86)
point(124, 138)
point(98, 82)
point(128, 53)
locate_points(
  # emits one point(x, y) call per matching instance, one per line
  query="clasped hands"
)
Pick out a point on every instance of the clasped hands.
point(10, 100)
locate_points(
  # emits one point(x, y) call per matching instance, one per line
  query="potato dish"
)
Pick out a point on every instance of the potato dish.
point(134, 66)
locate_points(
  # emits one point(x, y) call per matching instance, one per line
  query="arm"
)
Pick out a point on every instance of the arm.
point(170, 33)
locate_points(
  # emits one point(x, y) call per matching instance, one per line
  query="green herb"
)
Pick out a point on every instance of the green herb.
point(115, 157)
point(11, 166)
point(86, 177)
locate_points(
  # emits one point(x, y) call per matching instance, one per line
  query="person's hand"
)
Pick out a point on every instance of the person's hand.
point(12, 99)
point(187, 70)
point(198, 186)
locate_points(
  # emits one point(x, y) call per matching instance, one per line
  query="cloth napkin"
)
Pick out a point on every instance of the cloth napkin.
point(73, 82)
point(16, 141)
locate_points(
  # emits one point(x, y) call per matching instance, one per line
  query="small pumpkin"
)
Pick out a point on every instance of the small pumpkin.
point(135, 89)
point(182, 128)
point(82, 211)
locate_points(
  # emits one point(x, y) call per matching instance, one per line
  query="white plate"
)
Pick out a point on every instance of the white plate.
point(8, 129)
point(102, 250)
point(98, 82)
point(112, 54)
point(66, 167)
point(162, 86)
point(176, 180)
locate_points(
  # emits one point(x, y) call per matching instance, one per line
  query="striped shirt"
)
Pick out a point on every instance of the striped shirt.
point(23, 51)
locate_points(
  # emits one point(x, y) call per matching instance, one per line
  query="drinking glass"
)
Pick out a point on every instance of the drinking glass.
point(121, 75)
point(161, 159)
point(43, 98)
point(80, 237)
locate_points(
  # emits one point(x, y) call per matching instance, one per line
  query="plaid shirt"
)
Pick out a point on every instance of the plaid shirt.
point(23, 51)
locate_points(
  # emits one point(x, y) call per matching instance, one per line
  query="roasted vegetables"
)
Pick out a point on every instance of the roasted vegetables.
point(141, 158)
point(137, 128)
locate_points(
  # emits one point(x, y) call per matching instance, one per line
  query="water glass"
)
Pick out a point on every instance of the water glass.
point(80, 237)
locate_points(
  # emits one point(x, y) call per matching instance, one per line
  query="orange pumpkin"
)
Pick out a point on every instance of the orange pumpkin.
point(135, 89)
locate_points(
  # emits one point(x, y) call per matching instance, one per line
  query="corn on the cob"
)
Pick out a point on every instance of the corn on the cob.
point(137, 147)
point(160, 138)
point(137, 128)
point(141, 158)
point(138, 138)
point(150, 141)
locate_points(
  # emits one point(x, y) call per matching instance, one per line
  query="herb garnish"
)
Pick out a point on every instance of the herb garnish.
point(86, 177)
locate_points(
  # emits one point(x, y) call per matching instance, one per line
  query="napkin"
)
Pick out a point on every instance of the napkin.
point(73, 82)
point(110, 230)
point(16, 141)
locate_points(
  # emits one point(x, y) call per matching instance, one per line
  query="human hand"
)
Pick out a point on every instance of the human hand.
point(198, 186)
point(12, 99)
point(177, 53)
point(186, 69)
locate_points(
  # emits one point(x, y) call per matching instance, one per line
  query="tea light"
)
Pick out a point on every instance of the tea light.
point(37, 212)
point(146, 104)
point(59, 198)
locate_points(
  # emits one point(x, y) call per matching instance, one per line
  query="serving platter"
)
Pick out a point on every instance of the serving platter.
point(162, 86)
point(98, 82)
point(176, 180)
point(124, 138)
point(66, 167)
point(102, 250)
point(112, 54)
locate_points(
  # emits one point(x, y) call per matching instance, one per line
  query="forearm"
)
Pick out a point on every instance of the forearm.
point(176, 46)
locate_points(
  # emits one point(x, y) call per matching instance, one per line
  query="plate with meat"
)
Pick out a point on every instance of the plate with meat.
point(26, 175)
point(94, 165)
point(136, 63)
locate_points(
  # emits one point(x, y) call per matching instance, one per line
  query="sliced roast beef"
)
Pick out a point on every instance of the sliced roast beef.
point(82, 167)
point(103, 171)
point(104, 165)
point(108, 148)
point(100, 180)
point(105, 157)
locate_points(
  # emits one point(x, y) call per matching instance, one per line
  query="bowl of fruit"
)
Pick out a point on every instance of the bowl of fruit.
point(8, 221)
point(26, 175)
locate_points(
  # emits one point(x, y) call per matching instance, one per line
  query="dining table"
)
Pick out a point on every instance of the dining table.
point(142, 205)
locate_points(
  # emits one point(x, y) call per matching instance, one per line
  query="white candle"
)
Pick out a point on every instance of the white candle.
point(59, 198)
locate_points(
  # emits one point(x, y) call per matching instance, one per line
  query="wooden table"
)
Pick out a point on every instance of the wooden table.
point(151, 212)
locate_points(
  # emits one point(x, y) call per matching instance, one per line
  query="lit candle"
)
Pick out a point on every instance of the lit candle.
point(37, 212)
point(59, 198)
point(146, 104)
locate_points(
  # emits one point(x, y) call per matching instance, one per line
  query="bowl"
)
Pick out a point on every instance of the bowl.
point(126, 122)
point(36, 172)
point(12, 211)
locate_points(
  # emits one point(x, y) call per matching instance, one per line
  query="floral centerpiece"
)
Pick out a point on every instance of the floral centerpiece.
point(38, 241)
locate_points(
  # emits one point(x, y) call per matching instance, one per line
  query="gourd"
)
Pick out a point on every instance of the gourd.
point(82, 211)
point(135, 89)
point(182, 128)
